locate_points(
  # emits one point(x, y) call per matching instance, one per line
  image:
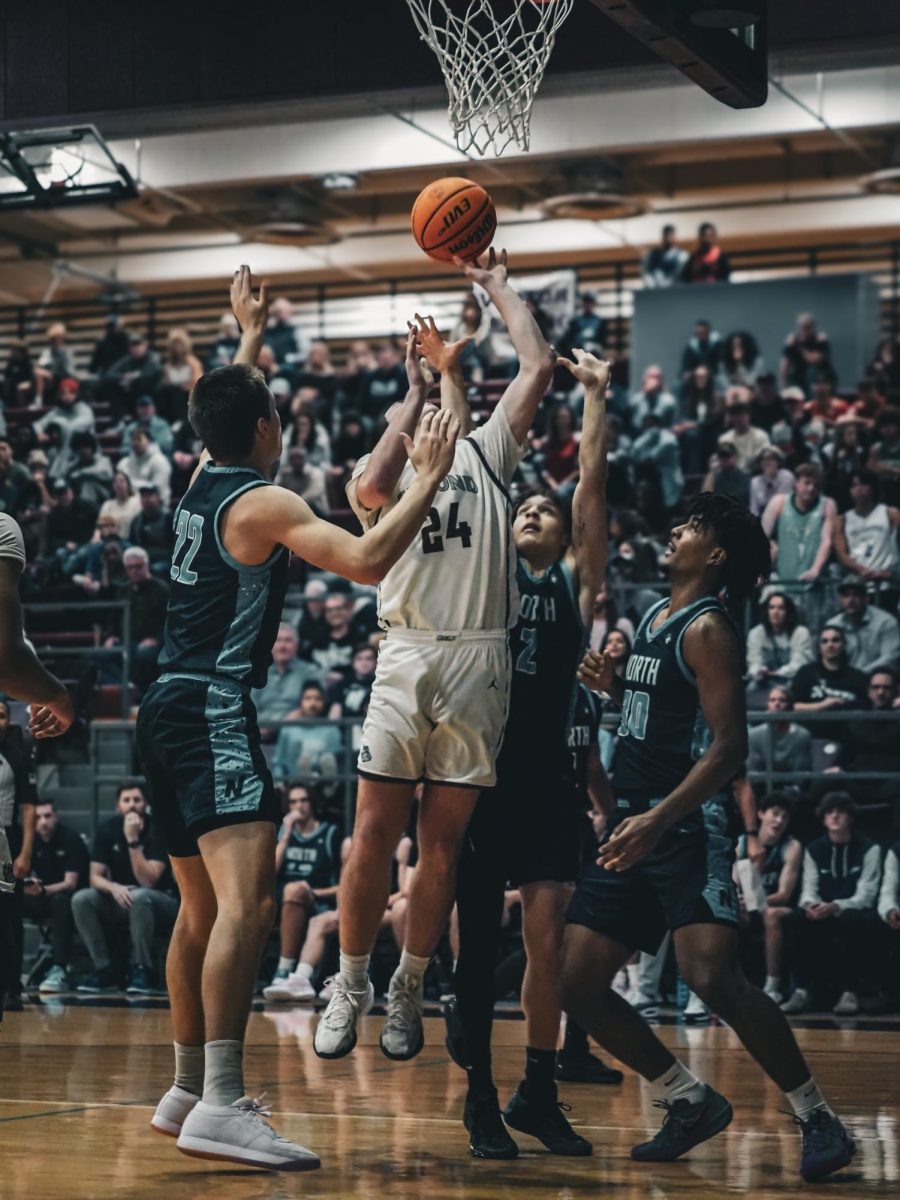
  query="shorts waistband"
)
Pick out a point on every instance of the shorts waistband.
point(438, 635)
point(204, 677)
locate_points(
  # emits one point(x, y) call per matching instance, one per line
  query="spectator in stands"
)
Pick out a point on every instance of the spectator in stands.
point(307, 863)
point(131, 887)
point(147, 599)
point(85, 567)
point(779, 645)
point(871, 635)
point(224, 348)
point(310, 434)
point(360, 361)
point(318, 381)
point(59, 866)
point(181, 369)
point(350, 697)
point(779, 745)
point(617, 645)
point(54, 361)
point(708, 262)
point(9, 493)
point(161, 431)
point(700, 421)
point(152, 530)
point(334, 654)
point(663, 264)
point(801, 527)
point(18, 798)
point(279, 697)
point(91, 476)
point(766, 409)
point(873, 746)
point(559, 451)
point(885, 368)
point(34, 503)
point(773, 479)
point(19, 387)
point(746, 439)
point(824, 405)
point(869, 401)
point(123, 506)
point(703, 350)
point(789, 435)
point(607, 618)
point(383, 386)
point(585, 329)
point(725, 476)
point(16, 472)
point(147, 464)
point(830, 684)
point(308, 751)
point(70, 522)
point(281, 334)
point(805, 352)
point(884, 456)
point(652, 398)
point(279, 378)
point(841, 872)
point(110, 348)
point(475, 323)
point(740, 363)
point(845, 454)
point(865, 538)
point(780, 875)
point(657, 447)
point(71, 415)
point(138, 373)
point(304, 479)
point(312, 629)
point(351, 443)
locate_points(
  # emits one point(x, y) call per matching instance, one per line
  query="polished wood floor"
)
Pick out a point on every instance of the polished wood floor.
point(78, 1085)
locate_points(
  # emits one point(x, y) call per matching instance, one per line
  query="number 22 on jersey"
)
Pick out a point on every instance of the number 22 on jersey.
point(189, 529)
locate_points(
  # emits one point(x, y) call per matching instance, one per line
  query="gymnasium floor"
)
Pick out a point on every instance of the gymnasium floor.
point(79, 1083)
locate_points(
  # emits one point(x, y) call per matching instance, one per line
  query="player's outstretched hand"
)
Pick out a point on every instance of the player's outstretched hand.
point(597, 670)
point(417, 371)
point(432, 450)
point(251, 311)
point(630, 842)
point(491, 275)
point(53, 719)
point(591, 372)
point(441, 356)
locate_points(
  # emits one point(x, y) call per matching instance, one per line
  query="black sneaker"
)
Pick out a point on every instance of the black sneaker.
point(14, 1002)
point(827, 1146)
point(544, 1120)
point(585, 1068)
point(488, 1136)
point(98, 983)
point(141, 981)
point(454, 1037)
point(686, 1125)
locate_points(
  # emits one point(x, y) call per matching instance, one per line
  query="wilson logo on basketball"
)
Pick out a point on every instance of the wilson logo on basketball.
point(474, 238)
point(460, 210)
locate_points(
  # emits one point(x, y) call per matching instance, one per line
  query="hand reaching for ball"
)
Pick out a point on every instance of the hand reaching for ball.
point(591, 372)
point(492, 275)
point(441, 356)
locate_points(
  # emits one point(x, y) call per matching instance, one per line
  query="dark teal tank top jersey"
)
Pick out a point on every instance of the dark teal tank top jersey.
point(662, 732)
point(223, 615)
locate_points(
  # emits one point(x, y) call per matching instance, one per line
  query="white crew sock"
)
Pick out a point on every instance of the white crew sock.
point(304, 971)
point(224, 1077)
point(286, 964)
point(677, 1084)
point(412, 965)
point(804, 1099)
point(189, 1068)
point(772, 983)
point(355, 970)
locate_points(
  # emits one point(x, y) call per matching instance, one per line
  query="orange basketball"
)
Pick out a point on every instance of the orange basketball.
point(453, 216)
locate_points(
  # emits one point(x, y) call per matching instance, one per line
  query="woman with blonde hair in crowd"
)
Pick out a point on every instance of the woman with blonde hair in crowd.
point(123, 506)
point(181, 370)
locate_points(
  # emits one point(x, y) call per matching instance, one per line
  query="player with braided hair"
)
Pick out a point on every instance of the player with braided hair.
point(666, 860)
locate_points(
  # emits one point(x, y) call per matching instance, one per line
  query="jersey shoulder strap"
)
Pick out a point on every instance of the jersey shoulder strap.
point(649, 616)
point(700, 607)
point(249, 486)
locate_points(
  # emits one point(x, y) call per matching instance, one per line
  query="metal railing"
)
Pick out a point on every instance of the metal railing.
point(122, 651)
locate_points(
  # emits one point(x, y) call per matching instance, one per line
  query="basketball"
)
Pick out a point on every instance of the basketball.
point(453, 216)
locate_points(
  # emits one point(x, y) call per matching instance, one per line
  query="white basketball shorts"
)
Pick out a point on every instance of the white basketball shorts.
point(438, 708)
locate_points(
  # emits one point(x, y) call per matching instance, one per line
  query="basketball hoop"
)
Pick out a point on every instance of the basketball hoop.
point(492, 63)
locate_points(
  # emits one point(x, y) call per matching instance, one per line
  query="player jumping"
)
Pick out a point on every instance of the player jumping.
point(666, 862)
point(197, 734)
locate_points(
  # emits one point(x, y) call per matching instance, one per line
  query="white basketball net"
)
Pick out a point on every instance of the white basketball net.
point(493, 63)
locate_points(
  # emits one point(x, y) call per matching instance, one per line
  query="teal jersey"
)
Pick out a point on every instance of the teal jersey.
point(222, 616)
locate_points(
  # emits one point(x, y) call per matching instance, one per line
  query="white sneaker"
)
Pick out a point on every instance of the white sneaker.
point(403, 1036)
point(847, 1006)
point(237, 1133)
point(327, 988)
point(798, 1003)
point(695, 1009)
point(56, 980)
point(172, 1110)
point(336, 1031)
point(294, 989)
point(773, 993)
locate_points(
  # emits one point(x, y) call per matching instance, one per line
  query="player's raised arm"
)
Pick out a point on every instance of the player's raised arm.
point(443, 357)
point(378, 482)
point(588, 552)
point(275, 514)
point(523, 396)
point(252, 314)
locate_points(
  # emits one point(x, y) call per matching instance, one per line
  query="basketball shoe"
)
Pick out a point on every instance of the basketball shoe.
point(289, 988)
point(403, 1036)
point(238, 1133)
point(172, 1110)
point(336, 1031)
point(685, 1125)
point(827, 1146)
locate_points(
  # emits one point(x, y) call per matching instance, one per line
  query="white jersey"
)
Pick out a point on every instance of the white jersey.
point(460, 571)
point(872, 540)
point(12, 544)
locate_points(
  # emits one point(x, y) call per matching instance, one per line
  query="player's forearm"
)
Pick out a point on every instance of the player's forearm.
point(528, 342)
point(453, 396)
point(383, 545)
point(23, 676)
point(709, 776)
point(29, 821)
point(379, 481)
point(251, 343)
